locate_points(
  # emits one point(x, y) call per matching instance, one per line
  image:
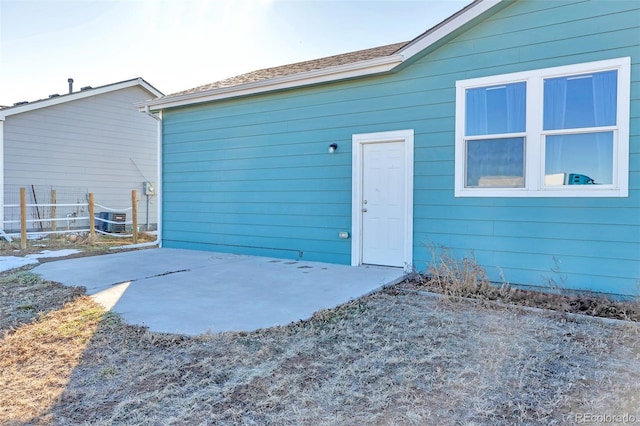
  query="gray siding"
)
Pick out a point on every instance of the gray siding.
point(88, 143)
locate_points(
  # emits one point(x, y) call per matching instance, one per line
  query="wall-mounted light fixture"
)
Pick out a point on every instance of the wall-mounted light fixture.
point(332, 148)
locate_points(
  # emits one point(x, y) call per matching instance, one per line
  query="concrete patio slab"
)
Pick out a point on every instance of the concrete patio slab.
point(193, 292)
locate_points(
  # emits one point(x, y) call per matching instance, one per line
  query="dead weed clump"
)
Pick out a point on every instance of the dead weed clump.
point(457, 278)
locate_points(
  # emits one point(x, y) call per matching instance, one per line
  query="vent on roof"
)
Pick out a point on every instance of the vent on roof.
point(20, 103)
point(55, 95)
point(86, 88)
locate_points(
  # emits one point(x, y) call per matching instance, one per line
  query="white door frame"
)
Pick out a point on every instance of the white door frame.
point(358, 140)
point(2, 176)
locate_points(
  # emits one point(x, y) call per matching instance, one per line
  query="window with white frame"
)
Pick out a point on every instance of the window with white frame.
point(560, 131)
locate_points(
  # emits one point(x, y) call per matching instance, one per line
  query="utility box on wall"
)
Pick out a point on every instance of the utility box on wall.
point(148, 188)
point(113, 228)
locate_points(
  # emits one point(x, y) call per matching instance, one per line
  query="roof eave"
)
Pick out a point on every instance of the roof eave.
point(358, 69)
point(335, 73)
point(447, 27)
point(79, 95)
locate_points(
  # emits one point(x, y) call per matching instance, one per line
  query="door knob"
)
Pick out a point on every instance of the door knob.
point(364, 210)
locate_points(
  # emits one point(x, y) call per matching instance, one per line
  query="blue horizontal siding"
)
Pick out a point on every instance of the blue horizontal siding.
point(282, 197)
point(514, 253)
point(307, 211)
point(275, 185)
point(253, 250)
point(218, 174)
point(253, 175)
point(614, 234)
point(596, 240)
point(309, 249)
point(526, 242)
point(257, 219)
point(283, 232)
point(546, 216)
point(283, 134)
point(253, 113)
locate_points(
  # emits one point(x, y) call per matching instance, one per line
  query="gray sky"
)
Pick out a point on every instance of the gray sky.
point(180, 44)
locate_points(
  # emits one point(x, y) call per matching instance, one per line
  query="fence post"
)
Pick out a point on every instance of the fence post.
point(53, 210)
point(23, 218)
point(92, 220)
point(134, 215)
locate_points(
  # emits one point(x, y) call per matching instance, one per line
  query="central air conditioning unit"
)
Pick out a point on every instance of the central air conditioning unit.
point(112, 228)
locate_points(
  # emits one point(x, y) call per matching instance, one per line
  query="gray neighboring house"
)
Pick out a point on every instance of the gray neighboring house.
point(91, 140)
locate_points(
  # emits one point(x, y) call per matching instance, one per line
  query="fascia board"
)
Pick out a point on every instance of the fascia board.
point(149, 88)
point(77, 95)
point(357, 69)
point(447, 27)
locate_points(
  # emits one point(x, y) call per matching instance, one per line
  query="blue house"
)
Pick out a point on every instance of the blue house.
point(511, 129)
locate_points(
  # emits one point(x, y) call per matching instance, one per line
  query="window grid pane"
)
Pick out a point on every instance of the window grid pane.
point(579, 159)
point(587, 100)
point(496, 109)
point(496, 163)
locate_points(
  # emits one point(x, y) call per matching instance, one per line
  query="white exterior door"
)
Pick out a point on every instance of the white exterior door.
point(383, 199)
point(383, 204)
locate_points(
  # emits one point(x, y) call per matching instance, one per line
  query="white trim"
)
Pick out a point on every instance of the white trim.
point(340, 72)
point(448, 26)
point(357, 69)
point(624, 111)
point(2, 176)
point(159, 183)
point(158, 240)
point(534, 139)
point(357, 141)
point(78, 95)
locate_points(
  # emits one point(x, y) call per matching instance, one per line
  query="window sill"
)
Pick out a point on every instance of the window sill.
point(542, 193)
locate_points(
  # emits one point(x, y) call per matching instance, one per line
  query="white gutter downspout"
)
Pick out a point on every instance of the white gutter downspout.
point(2, 233)
point(158, 240)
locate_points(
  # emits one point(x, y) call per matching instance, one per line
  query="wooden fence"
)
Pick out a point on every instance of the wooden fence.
point(53, 220)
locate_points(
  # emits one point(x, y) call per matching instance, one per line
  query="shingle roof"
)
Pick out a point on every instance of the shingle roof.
point(88, 91)
point(368, 62)
point(299, 67)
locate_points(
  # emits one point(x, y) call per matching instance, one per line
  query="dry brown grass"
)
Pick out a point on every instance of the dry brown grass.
point(24, 296)
point(88, 246)
point(462, 277)
point(394, 357)
point(38, 359)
